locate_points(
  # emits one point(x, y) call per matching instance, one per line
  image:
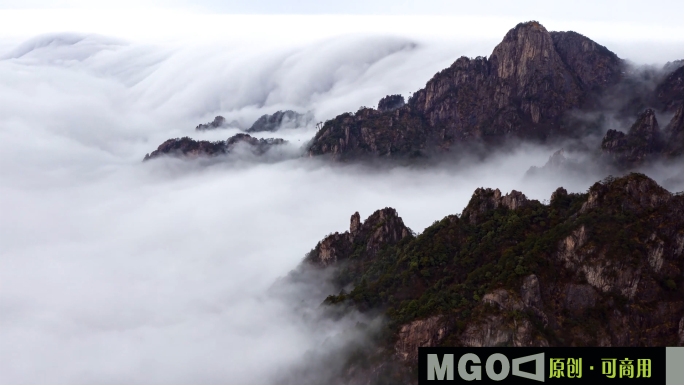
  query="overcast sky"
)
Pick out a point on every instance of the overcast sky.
point(659, 11)
point(630, 21)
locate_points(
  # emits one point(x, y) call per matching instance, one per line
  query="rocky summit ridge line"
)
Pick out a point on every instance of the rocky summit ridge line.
point(189, 148)
point(531, 88)
point(531, 79)
point(603, 268)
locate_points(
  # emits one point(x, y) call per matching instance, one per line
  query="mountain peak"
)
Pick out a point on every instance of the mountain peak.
point(524, 48)
point(363, 240)
point(531, 79)
point(646, 124)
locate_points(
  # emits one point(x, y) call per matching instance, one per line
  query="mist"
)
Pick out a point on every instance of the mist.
point(117, 271)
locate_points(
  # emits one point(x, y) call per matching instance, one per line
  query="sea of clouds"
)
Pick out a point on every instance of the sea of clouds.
point(116, 271)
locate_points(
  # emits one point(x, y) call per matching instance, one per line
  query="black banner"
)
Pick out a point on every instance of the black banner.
point(507, 365)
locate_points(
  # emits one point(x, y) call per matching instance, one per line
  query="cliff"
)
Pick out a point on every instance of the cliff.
point(670, 92)
point(644, 140)
point(362, 241)
point(604, 268)
point(536, 85)
point(531, 79)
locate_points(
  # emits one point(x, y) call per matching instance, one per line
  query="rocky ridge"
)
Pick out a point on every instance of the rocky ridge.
point(643, 141)
point(531, 79)
point(189, 148)
point(605, 268)
point(363, 240)
point(558, 163)
point(675, 132)
point(532, 87)
point(670, 92)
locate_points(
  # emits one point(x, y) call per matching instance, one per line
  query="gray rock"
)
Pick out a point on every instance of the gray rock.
point(579, 297)
point(530, 293)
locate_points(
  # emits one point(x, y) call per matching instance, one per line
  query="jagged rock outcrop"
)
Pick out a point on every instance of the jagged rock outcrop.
point(670, 92)
point(605, 268)
point(218, 122)
point(557, 163)
point(672, 66)
point(369, 132)
point(190, 148)
point(675, 134)
point(391, 102)
point(363, 240)
point(595, 65)
point(484, 200)
point(281, 119)
point(531, 79)
point(579, 297)
point(635, 194)
point(530, 293)
point(643, 142)
point(496, 329)
point(420, 333)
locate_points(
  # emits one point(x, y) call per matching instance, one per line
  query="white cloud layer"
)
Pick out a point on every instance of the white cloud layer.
point(113, 271)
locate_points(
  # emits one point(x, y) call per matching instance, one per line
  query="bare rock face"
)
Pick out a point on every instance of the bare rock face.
point(502, 300)
point(638, 194)
point(525, 86)
point(644, 141)
point(332, 249)
point(530, 292)
point(218, 122)
point(670, 92)
point(569, 249)
point(595, 65)
point(370, 132)
point(675, 134)
point(497, 329)
point(355, 225)
point(484, 200)
point(281, 119)
point(190, 148)
point(579, 297)
point(421, 333)
point(363, 240)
